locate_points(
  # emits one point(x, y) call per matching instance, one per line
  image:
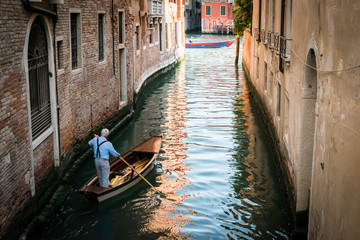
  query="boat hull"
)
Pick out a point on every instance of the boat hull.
point(142, 157)
point(209, 45)
point(117, 191)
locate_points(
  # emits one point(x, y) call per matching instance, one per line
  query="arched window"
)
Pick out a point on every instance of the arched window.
point(39, 79)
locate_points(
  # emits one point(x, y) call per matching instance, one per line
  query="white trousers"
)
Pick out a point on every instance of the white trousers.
point(103, 171)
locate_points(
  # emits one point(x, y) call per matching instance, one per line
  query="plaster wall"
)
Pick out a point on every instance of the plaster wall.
point(319, 131)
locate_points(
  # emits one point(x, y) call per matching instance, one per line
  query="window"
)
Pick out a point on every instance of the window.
point(121, 27)
point(151, 38)
point(267, 14)
point(257, 68)
point(265, 76)
point(156, 33)
point(39, 79)
point(75, 40)
point(176, 33)
point(271, 83)
point(286, 118)
point(259, 20)
point(137, 33)
point(60, 60)
point(160, 37)
point(207, 10)
point(273, 15)
point(101, 36)
point(278, 105)
point(166, 35)
point(222, 10)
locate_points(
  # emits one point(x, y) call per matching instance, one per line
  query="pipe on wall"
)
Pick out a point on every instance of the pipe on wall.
point(33, 8)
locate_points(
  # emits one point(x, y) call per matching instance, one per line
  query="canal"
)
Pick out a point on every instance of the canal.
point(215, 164)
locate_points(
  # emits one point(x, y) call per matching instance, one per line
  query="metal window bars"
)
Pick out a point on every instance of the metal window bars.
point(276, 42)
point(263, 37)
point(270, 38)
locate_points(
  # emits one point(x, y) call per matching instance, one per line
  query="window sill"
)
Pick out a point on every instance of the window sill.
point(76, 71)
point(122, 104)
point(42, 137)
point(60, 72)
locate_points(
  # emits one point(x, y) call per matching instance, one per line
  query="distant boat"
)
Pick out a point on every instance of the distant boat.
point(209, 45)
point(122, 178)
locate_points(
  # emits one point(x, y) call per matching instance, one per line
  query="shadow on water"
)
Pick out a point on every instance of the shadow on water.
point(215, 165)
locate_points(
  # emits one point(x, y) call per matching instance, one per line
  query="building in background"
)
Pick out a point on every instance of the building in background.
point(66, 68)
point(192, 15)
point(303, 59)
point(217, 16)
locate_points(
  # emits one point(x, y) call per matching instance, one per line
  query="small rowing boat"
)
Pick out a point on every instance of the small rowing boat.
point(122, 177)
point(209, 45)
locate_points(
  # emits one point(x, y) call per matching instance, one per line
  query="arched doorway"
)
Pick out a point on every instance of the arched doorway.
point(309, 96)
point(42, 104)
point(38, 67)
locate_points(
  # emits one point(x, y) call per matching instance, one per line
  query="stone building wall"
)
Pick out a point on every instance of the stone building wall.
point(16, 170)
point(309, 88)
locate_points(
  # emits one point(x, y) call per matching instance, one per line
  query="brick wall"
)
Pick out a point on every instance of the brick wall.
point(43, 158)
point(86, 98)
point(15, 160)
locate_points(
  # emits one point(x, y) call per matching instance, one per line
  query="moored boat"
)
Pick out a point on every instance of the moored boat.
point(122, 177)
point(209, 45)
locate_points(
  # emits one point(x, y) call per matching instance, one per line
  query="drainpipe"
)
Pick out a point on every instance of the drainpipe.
point(112, 27)
point(57, 90)
point(33, 8)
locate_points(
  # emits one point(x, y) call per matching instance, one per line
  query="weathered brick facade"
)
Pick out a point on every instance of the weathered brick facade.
point(81, 99)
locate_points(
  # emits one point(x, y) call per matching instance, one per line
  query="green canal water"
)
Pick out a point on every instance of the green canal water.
point(215, 164)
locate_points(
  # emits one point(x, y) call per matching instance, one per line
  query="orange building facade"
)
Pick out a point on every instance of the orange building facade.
point(217, 17)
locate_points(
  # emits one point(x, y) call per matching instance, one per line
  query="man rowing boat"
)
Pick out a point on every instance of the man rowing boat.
point(102, 150)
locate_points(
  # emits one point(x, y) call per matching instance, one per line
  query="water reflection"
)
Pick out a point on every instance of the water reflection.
point(221, 183)
point(168, 219)
point(252, 181)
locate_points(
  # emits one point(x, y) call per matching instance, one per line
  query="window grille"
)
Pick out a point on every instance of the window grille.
point(74, 40)
point(207, 10)
point(60, 54)
point(39, 79)
point(160, 37)
point(222, 10)
point(101, 36)
point(121, 27)
point(137, 38)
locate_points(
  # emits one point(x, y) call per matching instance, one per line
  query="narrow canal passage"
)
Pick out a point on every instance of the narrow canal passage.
point(215, 164)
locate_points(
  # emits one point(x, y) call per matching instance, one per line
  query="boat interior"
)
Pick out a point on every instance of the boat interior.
point(120, 172)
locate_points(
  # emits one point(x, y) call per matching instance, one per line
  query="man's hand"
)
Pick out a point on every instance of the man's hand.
point(96, 136)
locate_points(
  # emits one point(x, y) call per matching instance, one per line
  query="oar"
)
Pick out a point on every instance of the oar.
point(141, 176)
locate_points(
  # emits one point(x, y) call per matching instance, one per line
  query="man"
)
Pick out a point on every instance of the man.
point(102, 149)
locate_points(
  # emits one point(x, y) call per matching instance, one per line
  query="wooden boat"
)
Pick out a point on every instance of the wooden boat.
point(141, 157)
point(209, 45)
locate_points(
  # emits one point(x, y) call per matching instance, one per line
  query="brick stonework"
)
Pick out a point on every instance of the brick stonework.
point(86, 98)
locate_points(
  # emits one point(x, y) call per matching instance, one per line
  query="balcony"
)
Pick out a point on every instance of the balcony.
point(276, 42)
point(263, 37)
point(285, 49)
point(270, 39)
point(256, 34)
point(155, 8)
